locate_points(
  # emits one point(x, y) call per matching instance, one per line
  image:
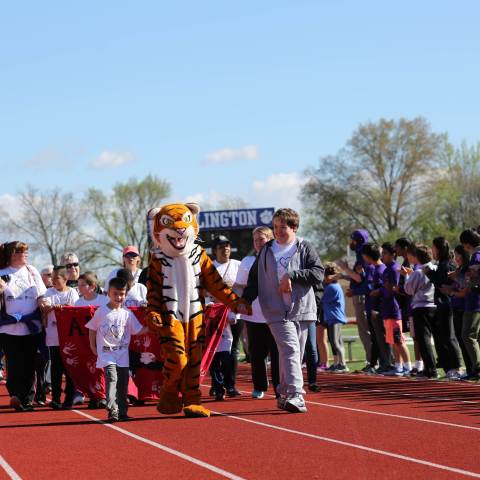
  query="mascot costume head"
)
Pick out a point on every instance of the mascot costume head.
point(179, 271)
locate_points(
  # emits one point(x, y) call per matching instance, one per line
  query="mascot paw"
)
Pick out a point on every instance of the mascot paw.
point(169, 403)
point(196, 411)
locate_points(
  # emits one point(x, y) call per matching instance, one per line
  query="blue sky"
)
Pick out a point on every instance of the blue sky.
point(221, 98)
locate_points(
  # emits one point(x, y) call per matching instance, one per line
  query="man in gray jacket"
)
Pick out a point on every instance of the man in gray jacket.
point(282, 278)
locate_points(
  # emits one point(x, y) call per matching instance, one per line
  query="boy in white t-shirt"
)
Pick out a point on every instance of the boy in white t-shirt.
point(110, 330)
point(55, 297)
point(88, 288)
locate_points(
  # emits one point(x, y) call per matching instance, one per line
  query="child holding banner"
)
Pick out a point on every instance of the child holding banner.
point(110, 330)
point(57, 296)
point(88, 288)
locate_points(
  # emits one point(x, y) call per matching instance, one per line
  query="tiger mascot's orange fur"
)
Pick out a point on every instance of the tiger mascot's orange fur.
point(178, 272)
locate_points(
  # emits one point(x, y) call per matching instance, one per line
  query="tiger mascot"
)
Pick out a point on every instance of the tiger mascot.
point(179, 270)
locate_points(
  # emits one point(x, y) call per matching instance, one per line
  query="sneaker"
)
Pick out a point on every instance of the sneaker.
point(369, 371)
point(78, 399)
point(322, 367)
point(113, 415)
point(423, 375)
point(295, 404)
point(407, 372)
point(414, 372)
point(331, 368)
point(281, 402)
point(341, 369)
point(394, 372)
point(258, 394)
point(233, 392)
point(454, 374)
point(314, 387)
point(55, 405)
point(102, 403)
point(124, 417)
point(28, 407)
point(219, 396)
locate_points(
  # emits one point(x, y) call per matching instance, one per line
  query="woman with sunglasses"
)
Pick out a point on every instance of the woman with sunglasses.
point(131, 261)
point(72, 265)
point(21, 291)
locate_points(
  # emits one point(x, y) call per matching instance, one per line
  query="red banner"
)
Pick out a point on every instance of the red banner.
point(145, 357)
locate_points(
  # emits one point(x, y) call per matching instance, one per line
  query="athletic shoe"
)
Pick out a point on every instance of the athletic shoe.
point(258, 394)
point(55, 405)
point(28, 407)
point(423, 375)
point(113, 415)
point(332, 368)
point(124, 417)
point(219, 396)
point(314, 387)
point(281, 402)
point(369, 371)
point(341, 369)
point(102, 403)
point(295, 404)
point(40, 403)
point(233, 392)
point(322, 367)
point(78, 399)
point(454, 375)
point(395, 372)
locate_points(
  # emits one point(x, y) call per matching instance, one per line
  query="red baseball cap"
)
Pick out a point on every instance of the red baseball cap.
point(131, 249)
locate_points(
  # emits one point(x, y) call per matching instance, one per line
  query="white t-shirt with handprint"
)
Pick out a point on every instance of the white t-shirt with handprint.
point(114, 328)
point(283, 255)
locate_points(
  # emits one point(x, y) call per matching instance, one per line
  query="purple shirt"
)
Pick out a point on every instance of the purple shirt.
point(472, 299)
point(391, 277)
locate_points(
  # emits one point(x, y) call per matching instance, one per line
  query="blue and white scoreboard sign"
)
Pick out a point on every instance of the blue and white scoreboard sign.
point(244, 218)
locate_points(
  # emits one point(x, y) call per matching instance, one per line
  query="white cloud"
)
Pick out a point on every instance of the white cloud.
point(112, 159)
point(278, 190)
point(228, 155)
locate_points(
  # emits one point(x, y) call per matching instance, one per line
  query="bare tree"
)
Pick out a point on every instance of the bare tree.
point(50, 221)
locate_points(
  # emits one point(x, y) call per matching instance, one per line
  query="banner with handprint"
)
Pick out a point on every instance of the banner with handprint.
point(144, 352)
point(77, 357)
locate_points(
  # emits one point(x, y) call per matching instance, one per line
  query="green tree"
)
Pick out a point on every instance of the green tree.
point(451, 199)
point(375, 182)
point(120, 217)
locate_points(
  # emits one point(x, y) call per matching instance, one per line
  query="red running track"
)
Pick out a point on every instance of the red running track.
point(356, 427)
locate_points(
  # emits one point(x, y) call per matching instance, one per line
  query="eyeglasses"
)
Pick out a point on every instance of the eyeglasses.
point(71, 265)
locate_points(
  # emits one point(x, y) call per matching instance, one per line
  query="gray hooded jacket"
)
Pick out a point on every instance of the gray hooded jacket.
point(305, 270)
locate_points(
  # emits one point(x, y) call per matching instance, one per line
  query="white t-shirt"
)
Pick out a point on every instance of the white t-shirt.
point(136, 296)
point(228, 271)
point(113, 274)
point(283, 254)
point(23, 289)
point(99, 301)
point(242, 279)
point(225, 343)
point(114, 328)
point(54, 297)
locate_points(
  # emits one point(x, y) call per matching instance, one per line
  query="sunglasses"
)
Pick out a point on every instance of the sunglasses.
point(71, 265)
point(131, 255)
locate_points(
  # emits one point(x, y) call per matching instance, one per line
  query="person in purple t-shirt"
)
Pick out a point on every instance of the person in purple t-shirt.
point(391, 313)
point(470, 239)
point(371, 255)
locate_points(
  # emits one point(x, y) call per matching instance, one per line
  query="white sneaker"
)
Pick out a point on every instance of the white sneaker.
point(295, 404)
point(258, 394)
point(78, 399)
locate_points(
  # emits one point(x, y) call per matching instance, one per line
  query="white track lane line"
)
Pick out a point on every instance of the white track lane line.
point(392, 415)
point(383, 414)
point(358, 447)
point(166, 449)
point(10, 471)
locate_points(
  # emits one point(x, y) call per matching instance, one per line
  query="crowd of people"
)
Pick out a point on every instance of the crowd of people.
point(298, 308)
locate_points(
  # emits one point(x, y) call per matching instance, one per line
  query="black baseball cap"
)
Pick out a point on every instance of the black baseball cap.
point(220, 240)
